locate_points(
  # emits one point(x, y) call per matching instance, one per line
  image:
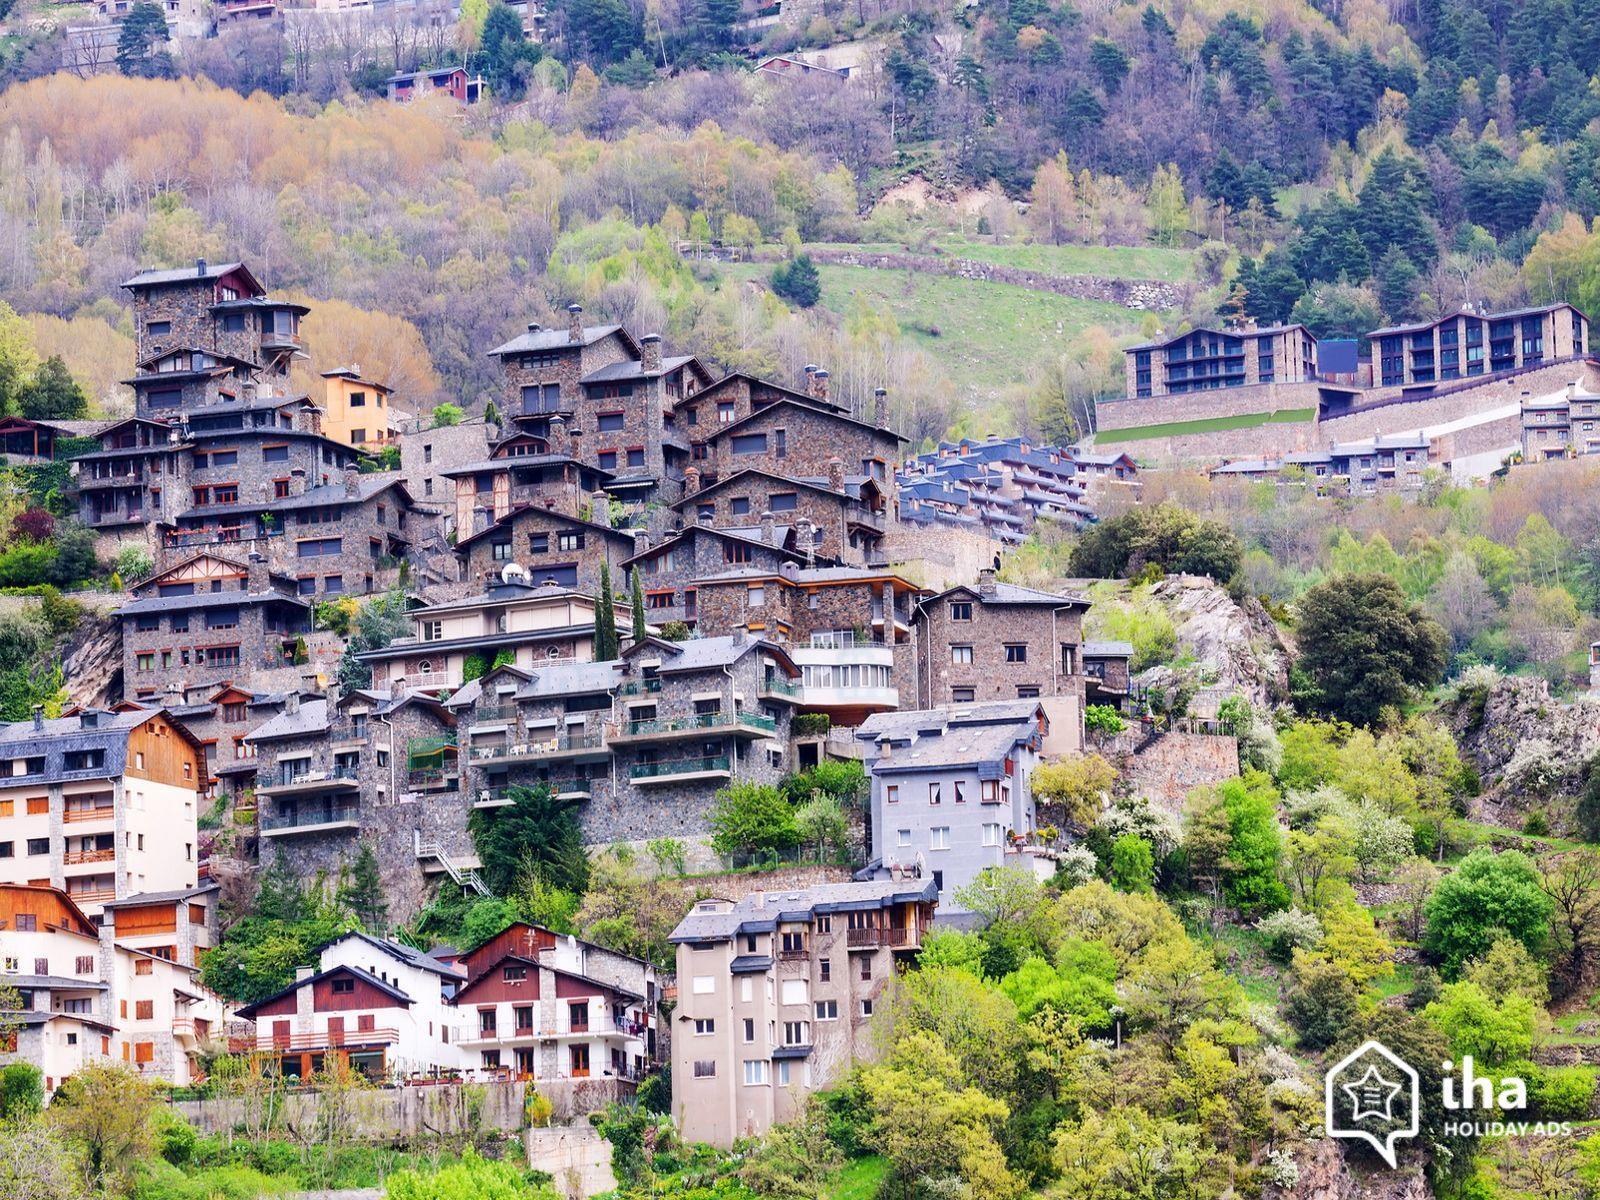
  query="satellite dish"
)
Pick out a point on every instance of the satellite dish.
point(512, 573)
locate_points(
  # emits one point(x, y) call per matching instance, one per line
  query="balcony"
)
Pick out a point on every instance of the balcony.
point(844, 672)
point(73, 858)
point(493, 714)
point(563, 746)
point(73, 816)
point(289, 782)
point(329, 819)
point(680, 770)
point(640, 687)
point(773, 688)
point(433, 779)
point(327, 1039)
point(872, 939)
point(666, 729)
point(93, 895)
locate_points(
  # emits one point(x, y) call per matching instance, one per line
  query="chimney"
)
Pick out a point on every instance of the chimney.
point(703, 518)
point(819, 384)
point(641, 540)
point(805, 539)
point(650, 347)
point(38, 716)
point(301, 974)
point(256, 577)
point(769, 530)
point(534, 327)
point(200, 268)
point(885, 750)
point(691, 480)
point(575, 323)
point(810, 388)
point(880, 405)
point(291, 701)
point(297, 481)
point(789, 571)
point(600, 509)
point(986, 587)
point(836, 473)
point(352, 482)
point(738, 635)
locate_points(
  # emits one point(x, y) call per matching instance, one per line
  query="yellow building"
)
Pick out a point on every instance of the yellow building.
point(357, 411)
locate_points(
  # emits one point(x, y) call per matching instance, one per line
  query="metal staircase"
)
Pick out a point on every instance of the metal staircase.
point(467, 880)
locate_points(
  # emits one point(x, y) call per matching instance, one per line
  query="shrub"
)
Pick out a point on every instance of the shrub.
point(1487, 894)
point(21, 1090)
point(1288, 931)
point(446, 415)
point(1133, 864)
point(1323, 1003)
point(751, 818)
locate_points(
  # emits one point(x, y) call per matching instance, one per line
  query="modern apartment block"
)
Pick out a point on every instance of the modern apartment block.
point(777, 996)
point(1205, 359)
point(1473, 343)
point(358, 411)
point(1563, 424)
point(951, 792)
point(101, 805)
point(92, 993)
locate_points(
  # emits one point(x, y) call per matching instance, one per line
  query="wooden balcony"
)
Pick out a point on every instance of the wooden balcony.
point(74, 857)
point(74, 815)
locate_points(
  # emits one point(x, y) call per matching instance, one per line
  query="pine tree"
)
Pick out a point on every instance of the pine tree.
point(142, 42)
point(640, 629)
point(605, 619)
point(362, 892)
point(53, 394)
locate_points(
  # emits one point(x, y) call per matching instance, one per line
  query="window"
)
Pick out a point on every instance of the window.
point(37, 846)
point(538, 543)
point(750, 443)
point(571, 540)
point(158, 328)
point(939, 837)
point(610, 422)
point(1016, 652)
point(758, 596)
point(636, 456)
point(725, 412)
point(85, 964)
point(705, 1069)
point(755, 1072)
point(27, 923)
point(991, 834)
point(144, 967)
point(749, 1030)
point(344, 987)
point(961, 610)
point(783, 502)
point(8, 849)
point(827, 1010)
point(274, 454)
point(891, 793)
point(608, 460)
point(705, 985)
point(962, 695)
point(934, 796)
point(1027, 691)
point(866, 1008)
point(739, 506)
point(825, 968)
point(704, 1026)
point(961, 655)
point(514, 973)
point(144, 1010)
point(358, 435)
point(797, 1033)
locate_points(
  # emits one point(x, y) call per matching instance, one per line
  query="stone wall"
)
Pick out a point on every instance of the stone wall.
point(1167, 767)
point(391, 1114)
point(992, 627)
point(576, 1157)
point(939, 556)
point(1201, 406)
point(425, 453)
point(1130, 293)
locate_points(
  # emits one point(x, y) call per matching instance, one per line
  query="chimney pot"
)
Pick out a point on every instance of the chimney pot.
point(836, 473)
point(575, 323)
point(200, 267)
point(769, 530)
point(650, 349)
point(691, 480)
point(352, 482)
point(986, 585)
point(38, 716)
point(819, 384)
point(291, 702)
point(534, 327)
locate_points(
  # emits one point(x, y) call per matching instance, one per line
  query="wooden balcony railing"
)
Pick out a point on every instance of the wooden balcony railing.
point(73, 857)
point(72, 815)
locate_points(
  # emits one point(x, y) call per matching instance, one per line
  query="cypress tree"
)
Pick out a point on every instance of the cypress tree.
point(640, 629)
point(605, 619)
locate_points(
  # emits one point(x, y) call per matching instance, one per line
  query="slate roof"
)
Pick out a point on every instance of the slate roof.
point(63, 735)
point(312, 718)
point(760, 912)
point(634, 369)
point(1010, 593)
point(563, 678)
point(790, 402)
point(702, 654)
point(368, 485)
point(1510, 314)
point(181, 274)
point(164, 897)
point(968, 735)
point(405, 954)
point(534, 341)
point(55, 981)
point(165, 604)
point(1107, 649)
point(521, 460)
point(510, 519)
point(751, 535)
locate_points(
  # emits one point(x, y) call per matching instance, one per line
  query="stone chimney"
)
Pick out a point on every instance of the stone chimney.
point(535, 327)
point(738, 635)
point(836, 473)
point(352, 482)
point(810, 388)
point(575, 324)
point(704, 518)
point(301, 974)
point(600, 509)
point(257, 579)
point(880, 406)
point(641, 540)
point(650, 348)
point(291, 701)
point(769, 529)
point(986, 587)
point(819, 384)
point(691, 480)
point(200, 268)
point(38, 716)
point(297, 481)
point(805, 538)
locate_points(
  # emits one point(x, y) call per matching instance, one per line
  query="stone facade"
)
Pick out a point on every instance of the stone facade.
point(518, 473)
point(668, 571)
point(550, 545)
point(427, 454)
point(793, 439)
point(847, 517)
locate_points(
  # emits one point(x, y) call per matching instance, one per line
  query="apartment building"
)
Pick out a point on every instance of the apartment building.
point(794, 438)
point(519, 472)
point(531, 623)
point(573, 1018)
point(179, 925)
point(552, 546)
point(669, 568)
point(378, 1006)
point(1205, 359)
point(1561, 425)
point(951, 792)
point(776, 997)
point(640, 744)
point(90, 994)
point(848, 515)
point(101, 805)
point(1473, 343)
point(998, 641)
point(222, 721)
point(207, 620)
point(852, 631)
point(1389, 463)
point(371, 768)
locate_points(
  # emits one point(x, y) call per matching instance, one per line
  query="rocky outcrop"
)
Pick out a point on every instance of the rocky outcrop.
point(91, 661)
point(1326, 1174)
point(1518, 715)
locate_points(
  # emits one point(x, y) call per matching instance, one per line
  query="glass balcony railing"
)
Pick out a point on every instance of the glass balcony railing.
point(681, 766)
point(640, 687)
point(698, 722)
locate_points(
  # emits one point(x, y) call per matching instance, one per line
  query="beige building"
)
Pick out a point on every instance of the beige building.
point(358, 411)
point(776, 996)
point(100, 804)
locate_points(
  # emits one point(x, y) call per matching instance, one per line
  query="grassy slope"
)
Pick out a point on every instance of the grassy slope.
point(1286, 416)
point(986, 335)
point(1117, 262)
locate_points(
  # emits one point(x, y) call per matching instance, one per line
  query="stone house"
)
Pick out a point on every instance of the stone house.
point(776, 997)
point(998, 641)
point(847, 515)
point(951, 792)
point(131, 480)
point(640, 744)
point(519, 473)
point(552, 546)
point(219, 309)
point(207, 621)
point(852, 631)
point(532, 624)
point(735, 396)
point(668, 570)
point(427, 452)
point(375, 769)
point(221, 720)
point(1107, 673)
point(800, 439)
